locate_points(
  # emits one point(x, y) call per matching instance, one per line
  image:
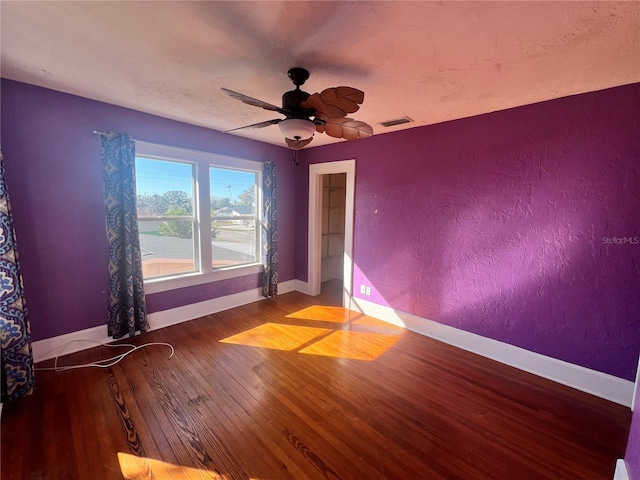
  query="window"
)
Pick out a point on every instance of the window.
point(166, 204)
point(234, 220)
point(199, 216)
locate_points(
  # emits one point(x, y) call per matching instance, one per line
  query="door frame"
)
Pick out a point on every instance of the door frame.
point(316, 171)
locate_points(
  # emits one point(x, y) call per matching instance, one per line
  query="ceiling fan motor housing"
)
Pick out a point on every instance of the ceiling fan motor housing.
point(291, 101)
point(298, 75)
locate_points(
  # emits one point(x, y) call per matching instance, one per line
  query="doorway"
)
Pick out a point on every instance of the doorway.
point(343, 259)
point(334, 192)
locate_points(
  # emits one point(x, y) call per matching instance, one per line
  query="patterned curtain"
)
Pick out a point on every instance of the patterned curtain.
point(127, 309)
point(269, 232)
point(15, 336)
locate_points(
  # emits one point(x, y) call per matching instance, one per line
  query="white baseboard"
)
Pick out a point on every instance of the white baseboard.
point(173, 316)
point(288, 286)
point(635, 390)
point(88, 338)
point(302, 287)
point(69, 343)
point(621, 471)
point(590, 381)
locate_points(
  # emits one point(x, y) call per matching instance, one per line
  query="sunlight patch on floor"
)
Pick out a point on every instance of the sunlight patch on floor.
point(358, 337)
point(277, 336)
point(325, 314)
point(137, 468)
point(354, 345)
point(367, 321)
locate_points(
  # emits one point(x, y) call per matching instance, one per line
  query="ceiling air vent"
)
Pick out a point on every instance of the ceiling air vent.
point(397, 121)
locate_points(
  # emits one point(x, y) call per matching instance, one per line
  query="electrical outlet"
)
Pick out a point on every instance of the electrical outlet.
point(363, 289)
point(368, 292)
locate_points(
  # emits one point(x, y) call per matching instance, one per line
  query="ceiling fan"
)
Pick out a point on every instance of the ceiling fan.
point(305, 114)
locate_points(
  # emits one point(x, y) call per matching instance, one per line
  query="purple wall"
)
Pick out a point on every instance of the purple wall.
point(632, 456)
point(495, 224)
point(54, 177)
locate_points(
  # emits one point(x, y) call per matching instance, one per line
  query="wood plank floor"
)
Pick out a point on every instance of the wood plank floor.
point(283, 389)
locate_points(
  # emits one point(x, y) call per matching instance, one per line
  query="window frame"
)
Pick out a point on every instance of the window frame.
point(203, 161)
point(193, 218)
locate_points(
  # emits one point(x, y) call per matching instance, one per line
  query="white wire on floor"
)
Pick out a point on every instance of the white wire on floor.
point(107, 362)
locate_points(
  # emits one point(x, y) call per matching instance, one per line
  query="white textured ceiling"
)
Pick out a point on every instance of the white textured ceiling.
point(431, 61)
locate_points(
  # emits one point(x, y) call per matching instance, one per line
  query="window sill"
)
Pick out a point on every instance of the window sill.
point(157, 285)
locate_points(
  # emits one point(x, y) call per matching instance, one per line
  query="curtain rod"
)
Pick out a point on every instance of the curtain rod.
point(98, 132)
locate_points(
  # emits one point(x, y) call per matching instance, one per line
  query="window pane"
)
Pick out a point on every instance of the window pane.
point(167, 248)
point(165, 189)
point(232, 191)
point(233, 217)
point(233, 243)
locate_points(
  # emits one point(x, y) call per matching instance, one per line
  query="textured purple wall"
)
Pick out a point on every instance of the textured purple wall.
point(632, 456)
point(495, 224)
point(186, 296)
point(54, 177)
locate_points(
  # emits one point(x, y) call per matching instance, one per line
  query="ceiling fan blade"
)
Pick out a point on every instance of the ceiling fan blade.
point(257, 125)
point(254, 101)
point(346, 128)
point(335, 102)
point(297, 144)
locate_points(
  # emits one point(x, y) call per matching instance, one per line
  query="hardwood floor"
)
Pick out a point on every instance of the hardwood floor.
point(279, 390)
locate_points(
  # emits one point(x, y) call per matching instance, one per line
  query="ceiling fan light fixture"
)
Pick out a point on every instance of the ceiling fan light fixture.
point(297, 128)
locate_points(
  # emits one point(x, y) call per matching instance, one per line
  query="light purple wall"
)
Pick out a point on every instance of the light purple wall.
point(632, 456)
point(495, 224)
point(54, 177)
